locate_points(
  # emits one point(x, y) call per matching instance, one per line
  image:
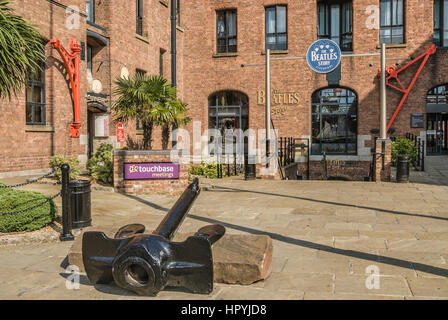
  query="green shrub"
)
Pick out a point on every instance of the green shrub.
point(101, 165)
point(207, 169)
point(58, 160)
point(15, 200)
point(402, 146)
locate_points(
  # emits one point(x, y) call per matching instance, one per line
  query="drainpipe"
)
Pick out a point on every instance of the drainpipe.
point(173, 58)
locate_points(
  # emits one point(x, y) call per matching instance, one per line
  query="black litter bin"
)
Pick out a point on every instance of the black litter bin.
point(250, 171)
point(403, 168)
point(79, 193)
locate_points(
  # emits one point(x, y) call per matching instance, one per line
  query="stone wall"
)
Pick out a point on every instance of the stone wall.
point(134, 187)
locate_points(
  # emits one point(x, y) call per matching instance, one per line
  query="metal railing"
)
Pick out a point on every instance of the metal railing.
point(288, 148)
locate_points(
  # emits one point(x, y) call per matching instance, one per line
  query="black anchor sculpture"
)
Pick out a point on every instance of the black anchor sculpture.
point(147, 263)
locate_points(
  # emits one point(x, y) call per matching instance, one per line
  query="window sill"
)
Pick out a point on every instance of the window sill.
point(142, 38)
point(139, 132)
point(223, 55)
point(164, 3)
point(393, 45)
point(39, 128)
point(93, 24)
point(275, 52)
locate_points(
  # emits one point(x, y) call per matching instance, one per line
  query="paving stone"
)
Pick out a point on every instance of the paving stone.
point(348, 226)
point(395, 286)
point(336, 265)
point(349, 296)
point(360, 244)
point(428, 287)
point(300, 282)
point(359, 267)
point(232, 293)
point(438, 246)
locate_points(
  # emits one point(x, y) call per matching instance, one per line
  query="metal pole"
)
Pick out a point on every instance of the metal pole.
point(66, 210)
point(268, 104)
point(173, 59)
point(383, 112)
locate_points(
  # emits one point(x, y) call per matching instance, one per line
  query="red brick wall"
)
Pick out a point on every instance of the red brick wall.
point(204, 74)
point(21, 149)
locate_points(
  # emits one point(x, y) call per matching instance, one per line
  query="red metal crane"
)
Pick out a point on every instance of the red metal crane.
point(392, 73)
point(71, 62)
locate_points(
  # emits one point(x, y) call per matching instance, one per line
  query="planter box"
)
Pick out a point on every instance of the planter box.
point(159, 175)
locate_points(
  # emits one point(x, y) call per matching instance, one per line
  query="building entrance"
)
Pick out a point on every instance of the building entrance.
point(437, 121)
point(437, 142)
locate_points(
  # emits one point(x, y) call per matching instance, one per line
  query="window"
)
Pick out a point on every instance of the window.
point(138, 123)
point(334, 121)
point(335, 22)
point(90, 11)
point(161, 61)
point(139, 7)
point(276, 28)
point(226, 31)
point(228, 110)
point(392, 21)
point(89, 59)
point(35, 99)
point(441, 23)
point(438, 95)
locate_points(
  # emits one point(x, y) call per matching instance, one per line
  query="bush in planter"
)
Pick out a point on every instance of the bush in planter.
point(402, 146)
point(58, 160)
point(14, 200)
point(101, 165)
point(208, 169)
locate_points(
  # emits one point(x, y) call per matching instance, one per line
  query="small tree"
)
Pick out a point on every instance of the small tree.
point(149, 99)
point(169, 112)
point(22, 51)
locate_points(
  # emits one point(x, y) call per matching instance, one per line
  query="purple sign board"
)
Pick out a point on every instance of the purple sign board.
point(151, 171)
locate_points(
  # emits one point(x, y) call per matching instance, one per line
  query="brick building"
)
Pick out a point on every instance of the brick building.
point(338, 112)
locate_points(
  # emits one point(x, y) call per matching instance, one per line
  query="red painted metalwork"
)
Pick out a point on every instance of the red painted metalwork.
point(392, 73)
point(71, 62)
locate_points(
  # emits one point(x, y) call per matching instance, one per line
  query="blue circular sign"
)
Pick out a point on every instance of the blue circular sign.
point(324, 56)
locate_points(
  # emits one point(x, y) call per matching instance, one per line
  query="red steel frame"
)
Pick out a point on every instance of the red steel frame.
point(393, 74)
point(71, 62)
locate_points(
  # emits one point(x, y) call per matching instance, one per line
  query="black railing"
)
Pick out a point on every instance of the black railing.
point(419, 143)
point(287, 148)
point(230, 164)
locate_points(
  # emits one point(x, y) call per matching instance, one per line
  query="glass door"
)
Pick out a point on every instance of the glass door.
point(436, 134)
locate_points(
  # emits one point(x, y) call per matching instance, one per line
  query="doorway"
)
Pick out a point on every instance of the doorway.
point(437, 121)
point(437, 133)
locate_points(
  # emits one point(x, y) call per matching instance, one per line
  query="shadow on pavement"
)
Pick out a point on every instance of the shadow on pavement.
point(227, 189)
point(311, 245)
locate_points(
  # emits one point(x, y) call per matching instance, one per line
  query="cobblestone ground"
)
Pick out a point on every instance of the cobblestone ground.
point(326, 236)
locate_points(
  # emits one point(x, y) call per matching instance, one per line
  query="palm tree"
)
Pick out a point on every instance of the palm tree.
point(170, 112)
point(21, 51)
point(149, 99)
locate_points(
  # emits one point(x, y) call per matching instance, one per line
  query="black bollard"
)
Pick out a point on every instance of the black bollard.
point(66, 211)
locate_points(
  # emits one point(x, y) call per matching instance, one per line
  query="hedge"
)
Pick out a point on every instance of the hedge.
point(14, 200)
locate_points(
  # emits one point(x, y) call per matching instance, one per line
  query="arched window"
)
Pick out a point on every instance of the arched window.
point(228, 110)
point(438, 95)
point(334, 121)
